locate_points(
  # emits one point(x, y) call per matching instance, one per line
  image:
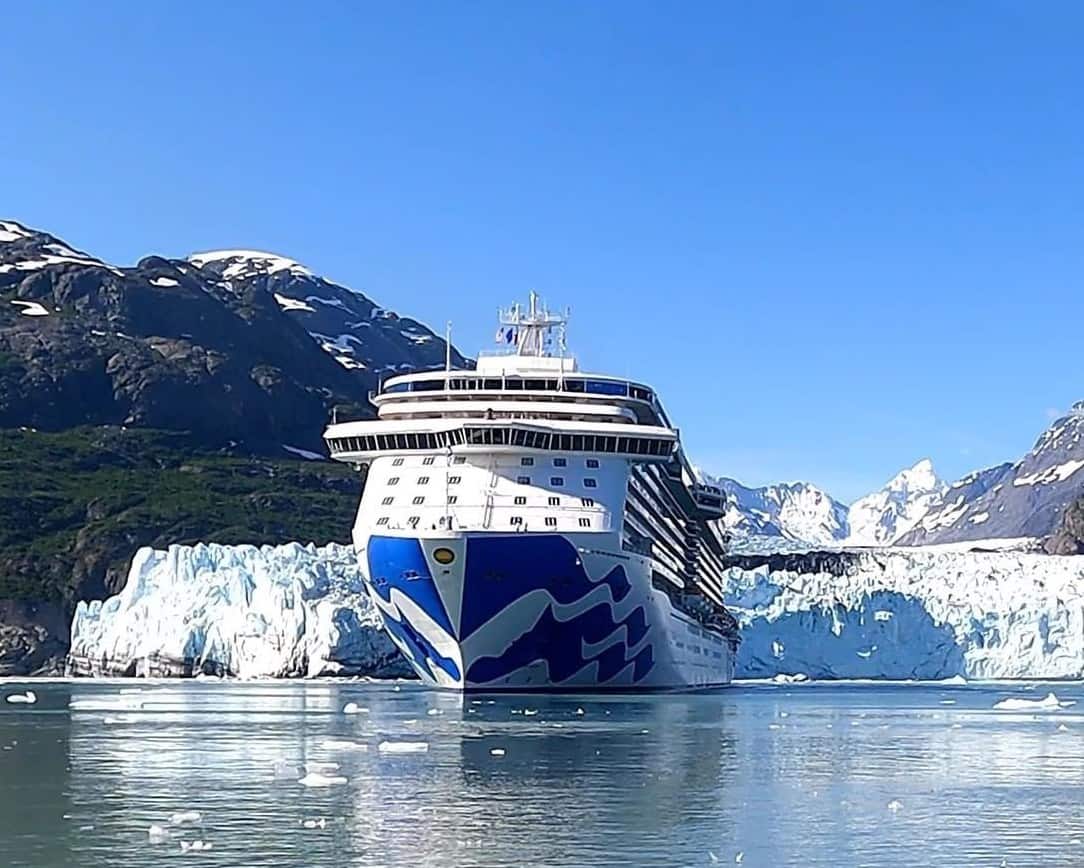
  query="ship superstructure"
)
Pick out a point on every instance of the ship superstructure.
point(525, 525)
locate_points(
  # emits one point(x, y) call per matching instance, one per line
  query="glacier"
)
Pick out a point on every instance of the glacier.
point(247, 611)
point(297, 610)
point(918, 613)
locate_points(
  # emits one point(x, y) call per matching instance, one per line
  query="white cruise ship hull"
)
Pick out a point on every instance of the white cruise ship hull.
point(489, 611)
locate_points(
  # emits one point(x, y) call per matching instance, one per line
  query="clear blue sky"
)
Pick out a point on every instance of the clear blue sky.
point(837, 236)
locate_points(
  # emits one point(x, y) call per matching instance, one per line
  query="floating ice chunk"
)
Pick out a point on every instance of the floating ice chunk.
point(739, 856)
point(403, 747)
point(320, 823)
point(182, 817)
point(1050, 702)
point(948, 701)
point(195, 846)
point(354, 708)
point(712, 856)
point(316, 779)
point(895, 805)
point(433, 712)
point(27, 698)
point(1062, 728)
point(955, 679)
point(580, 711)
point(118, 719)
point(286, 771)
point(344, 744)
point(530, 712)
point(157, 834)
point(321, 767)
point(497, 751)
point(784, 678)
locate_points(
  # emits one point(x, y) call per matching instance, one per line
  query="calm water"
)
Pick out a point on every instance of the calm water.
point(833, 775)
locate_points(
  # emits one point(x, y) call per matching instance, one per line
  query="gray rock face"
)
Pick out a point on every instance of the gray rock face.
point(1025, 499)
point(214, 345)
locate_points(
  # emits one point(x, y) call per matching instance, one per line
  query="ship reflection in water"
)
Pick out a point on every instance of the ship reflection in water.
point(765, 775)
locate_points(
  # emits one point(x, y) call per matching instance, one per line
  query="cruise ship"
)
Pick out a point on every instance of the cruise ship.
point(527, 526)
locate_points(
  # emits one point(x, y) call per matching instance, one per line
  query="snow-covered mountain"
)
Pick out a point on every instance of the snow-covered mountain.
point(881, 518)
point(801, 512)
point(790, 510)
point(1025, 499)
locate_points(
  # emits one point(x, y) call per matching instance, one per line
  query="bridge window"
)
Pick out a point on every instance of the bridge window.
point(585, 522)
point(526, 462)
point(393, 481)
point(557, 480)
point(587, 501)
point(551, 521)
point(605, 387)
point(523, 480)
point(382, 520)
point(387, 501)
point(423, 480)
point(560, 462)
point(590, 483)
point(419, 500)
point(555, 501)
point(520, 500)
point(592, 462)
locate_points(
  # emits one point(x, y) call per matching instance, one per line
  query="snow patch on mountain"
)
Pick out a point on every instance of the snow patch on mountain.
point(884, 516)
point(918, 613)
point(287, 610)
point(246, 263)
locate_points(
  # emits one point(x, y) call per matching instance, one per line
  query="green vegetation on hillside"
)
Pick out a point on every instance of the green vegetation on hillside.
point(76, 505)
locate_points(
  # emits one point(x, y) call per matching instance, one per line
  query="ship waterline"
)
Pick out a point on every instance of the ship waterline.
point(524, 526)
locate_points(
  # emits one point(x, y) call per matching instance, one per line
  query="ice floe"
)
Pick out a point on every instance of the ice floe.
point(28, 697)
point(1050, 702)
point(403, 747)
point(317, 779)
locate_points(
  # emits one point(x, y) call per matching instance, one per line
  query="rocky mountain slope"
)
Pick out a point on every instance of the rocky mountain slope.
point(230, 346)
point(169, 402)
point(1029, 498)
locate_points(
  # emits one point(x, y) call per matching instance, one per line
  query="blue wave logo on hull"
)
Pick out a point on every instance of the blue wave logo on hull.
point(503, 570)
point(398, 563)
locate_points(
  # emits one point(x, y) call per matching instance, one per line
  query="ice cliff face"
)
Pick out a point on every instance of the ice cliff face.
point(921, 613)
point(883, 517)
point(286, 610)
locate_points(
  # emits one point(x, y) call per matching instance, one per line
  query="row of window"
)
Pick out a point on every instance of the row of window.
point(513, 521)
point(504, 436)
point(519, 500)
point(528, 461)
point(555, 481)
point(519, 384)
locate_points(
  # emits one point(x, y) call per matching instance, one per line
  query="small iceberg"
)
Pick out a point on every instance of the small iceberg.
point(1050, 702)
point(343, 744)
point(195, 846)
point(27, 698)
point(403, 747)
point(182, 817)
point(157, 834)
point(316, 779)
point(321, 823)
point(354, 708)
point(497, 751)
point(321, 767)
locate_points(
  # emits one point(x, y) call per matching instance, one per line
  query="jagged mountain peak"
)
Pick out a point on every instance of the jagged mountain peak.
point(918, 477)
point(882, 517)
point(796, 511)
